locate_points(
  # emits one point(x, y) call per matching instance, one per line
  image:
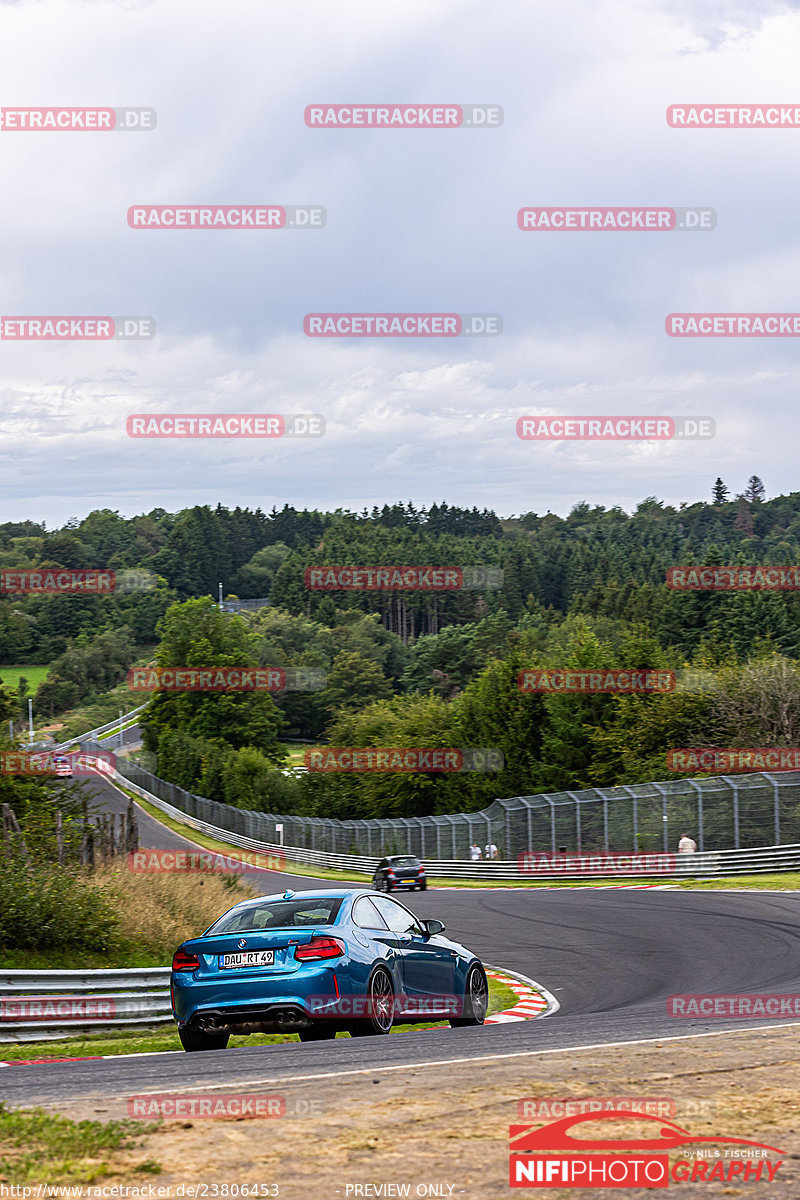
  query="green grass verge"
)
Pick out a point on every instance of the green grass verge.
point(166, 1040)
point(37, 1145)
point(10, 676)
point(112, 733)
point(81, 960)
point(296, 756)
point(615, 881)
point(786, 881)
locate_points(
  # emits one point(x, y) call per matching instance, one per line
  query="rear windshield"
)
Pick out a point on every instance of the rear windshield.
point(279, 914)
point(404, 860)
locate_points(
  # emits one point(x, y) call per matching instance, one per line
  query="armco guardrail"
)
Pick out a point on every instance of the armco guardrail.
point(46, 1005)
point(568, 866)
point(109, 725)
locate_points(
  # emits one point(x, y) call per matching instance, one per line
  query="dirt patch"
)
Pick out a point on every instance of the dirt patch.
point(444, 1130)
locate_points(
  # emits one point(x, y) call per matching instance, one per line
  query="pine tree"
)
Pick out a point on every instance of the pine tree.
point(719, 492)
point(754, 492)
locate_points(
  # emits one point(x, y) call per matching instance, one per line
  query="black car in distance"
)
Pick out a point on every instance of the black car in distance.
point(399, 870)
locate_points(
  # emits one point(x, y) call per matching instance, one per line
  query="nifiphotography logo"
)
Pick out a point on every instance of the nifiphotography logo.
point(632, 1162)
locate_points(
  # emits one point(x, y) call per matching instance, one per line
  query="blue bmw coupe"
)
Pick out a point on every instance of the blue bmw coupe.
point(316, 963)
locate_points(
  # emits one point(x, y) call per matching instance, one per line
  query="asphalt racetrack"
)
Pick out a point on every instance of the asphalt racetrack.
point(611, 957)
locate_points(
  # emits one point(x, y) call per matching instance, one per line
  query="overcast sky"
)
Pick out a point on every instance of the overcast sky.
point(417, 221)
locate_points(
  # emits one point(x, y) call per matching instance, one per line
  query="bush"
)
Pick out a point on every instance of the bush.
point(52, 908)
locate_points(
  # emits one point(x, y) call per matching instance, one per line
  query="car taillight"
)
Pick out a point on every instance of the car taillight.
point(422, 870)
point(181, 961)
point(390, 874)
point(319, 947)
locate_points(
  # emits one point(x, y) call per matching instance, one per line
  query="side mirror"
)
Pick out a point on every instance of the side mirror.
point(433, 927)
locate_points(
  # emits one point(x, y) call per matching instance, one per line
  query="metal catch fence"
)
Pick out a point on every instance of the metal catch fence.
point(721, 813)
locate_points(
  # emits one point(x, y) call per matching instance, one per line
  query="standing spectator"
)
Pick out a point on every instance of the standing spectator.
point(475, 852)
point(491, 850)
point(687, 845)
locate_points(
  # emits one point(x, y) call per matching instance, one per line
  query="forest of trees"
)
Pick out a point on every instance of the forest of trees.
point(422, 668)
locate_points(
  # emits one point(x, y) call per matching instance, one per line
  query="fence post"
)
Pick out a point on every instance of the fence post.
point(132, 830)
point(776, 805)
point(635, 822)
point(578, 840)
point(700, 832)
point(664, 815)
point(626, 788)
point(10, 823)
point(732, 783)
point(552, 823)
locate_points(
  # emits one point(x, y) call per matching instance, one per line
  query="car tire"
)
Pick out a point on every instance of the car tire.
point(379, 988)
point(476, 999)
point(423, 887)
point(196, 1039)
point(317, 1033)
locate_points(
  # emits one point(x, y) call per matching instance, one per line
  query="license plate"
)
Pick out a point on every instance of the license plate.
point(248, 958)
point(410, 881)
